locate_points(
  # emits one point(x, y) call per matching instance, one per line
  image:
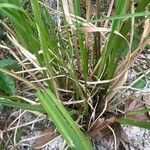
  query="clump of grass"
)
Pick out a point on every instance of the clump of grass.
point(81, 62)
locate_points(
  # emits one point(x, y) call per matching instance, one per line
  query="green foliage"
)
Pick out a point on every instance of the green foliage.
point(134, 112)
point(65, 124)
point(66, 53)
point(7, 84)
point(8, 101)
point(141, 124)
point(19, 136)
point(115, 42)
point(140, 84)
point(22, 25)
point(8, 63)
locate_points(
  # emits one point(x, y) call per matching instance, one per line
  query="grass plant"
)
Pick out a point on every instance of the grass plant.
point(80, 62)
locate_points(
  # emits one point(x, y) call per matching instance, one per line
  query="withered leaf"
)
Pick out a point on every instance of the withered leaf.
point(99, 125)
point(46, 136)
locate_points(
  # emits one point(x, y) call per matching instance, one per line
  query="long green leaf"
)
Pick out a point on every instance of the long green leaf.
point(22, 24)
point(134, 112)
point(141, 124)
point(43, 42)
point(63, 121)
point(24, 106)
point(127, 16)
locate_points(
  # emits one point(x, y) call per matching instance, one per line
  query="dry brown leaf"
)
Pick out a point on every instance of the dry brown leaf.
point(2, 123)
point(132, 105)
point(100, 125)
point(5, 121)
point(1, 55)
point(46, 136)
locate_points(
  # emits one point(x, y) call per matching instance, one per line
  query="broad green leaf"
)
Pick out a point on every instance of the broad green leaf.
point(8, 63)
point(7, 84)
point(17, 77)
point(140, 84)
point(141, 124)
